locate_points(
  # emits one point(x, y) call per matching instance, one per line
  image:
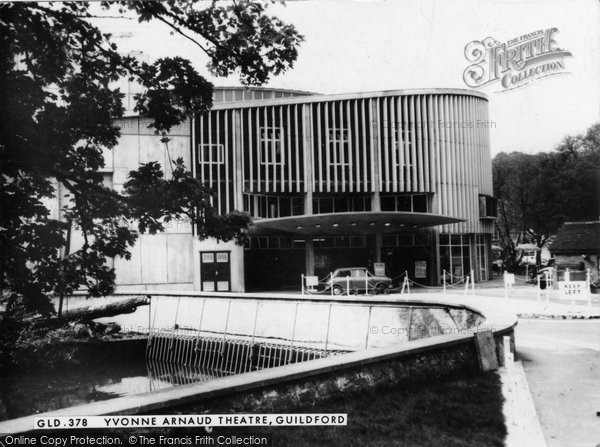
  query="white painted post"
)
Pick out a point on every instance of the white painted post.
point(466, 284)
point(588, 287)
point(403, 286)
point(255, 320)
point(347, 286)
point(328, 324)
point(567, 275)
point(366, 283)
point(444, 280)
point(407, 282)
point(547, 285)
point(293, 334)
point(331, 283)
point(302, 282)
point(368, 328)
point(472, 282)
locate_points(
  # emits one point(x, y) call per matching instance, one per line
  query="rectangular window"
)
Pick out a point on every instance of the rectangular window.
point(358, 241)
point(488, 207)
point(339, 140)
point(358, 204)
point(340, 205)
point(210, 153)
point(297, 206)
point(419, 203)
point(403, 203)
point(388, 203)
point(388, 241)
point(358, 273)
point(455, 256)
point(271, 146)
point(342, 242)
point(403, 137)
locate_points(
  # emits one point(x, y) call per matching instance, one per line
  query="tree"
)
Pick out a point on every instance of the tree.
point(59, 108)
point(537, 193)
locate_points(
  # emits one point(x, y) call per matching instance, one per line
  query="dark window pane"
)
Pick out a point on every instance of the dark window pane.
point(405, 239)
point(297, 206)
point(420, 203)
point(357, 241)
point(341, 205)
point(388, 203)
point(285, 208)
point(358, 204)
point(421, 239)
point(404, 203)
point(325, 205)
point(343, 242)
point(388, 241)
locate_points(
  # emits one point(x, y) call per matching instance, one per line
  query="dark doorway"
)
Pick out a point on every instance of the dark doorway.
point(271, 270)
point(416, 261)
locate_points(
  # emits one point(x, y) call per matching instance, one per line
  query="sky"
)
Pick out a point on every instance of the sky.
point(357, 45)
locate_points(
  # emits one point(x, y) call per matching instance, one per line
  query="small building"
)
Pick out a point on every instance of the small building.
point(577, 247)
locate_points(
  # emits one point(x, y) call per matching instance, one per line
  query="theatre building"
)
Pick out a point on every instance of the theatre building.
point(400, 177)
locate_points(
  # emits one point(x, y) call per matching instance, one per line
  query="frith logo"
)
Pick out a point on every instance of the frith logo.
point(516, 62)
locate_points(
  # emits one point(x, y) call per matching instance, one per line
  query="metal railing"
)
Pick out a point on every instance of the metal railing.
point(234, 335)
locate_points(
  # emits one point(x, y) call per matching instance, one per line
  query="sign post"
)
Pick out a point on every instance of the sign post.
point(574, 289)
point(509, 280)
point(379, 268)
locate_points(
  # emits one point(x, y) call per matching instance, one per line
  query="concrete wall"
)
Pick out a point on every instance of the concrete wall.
point(163, 261)
point(360, 371)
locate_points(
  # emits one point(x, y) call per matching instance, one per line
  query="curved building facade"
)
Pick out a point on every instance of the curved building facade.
point(396, 177)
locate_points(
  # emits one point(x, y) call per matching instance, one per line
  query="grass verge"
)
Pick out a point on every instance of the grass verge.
point(463, 411)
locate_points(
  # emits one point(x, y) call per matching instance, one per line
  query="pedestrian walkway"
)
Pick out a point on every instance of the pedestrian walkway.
point(522, 422)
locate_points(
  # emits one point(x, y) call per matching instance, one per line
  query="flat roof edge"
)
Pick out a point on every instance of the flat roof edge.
point(345, 96)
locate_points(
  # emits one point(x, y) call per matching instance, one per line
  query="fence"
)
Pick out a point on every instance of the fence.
point(350, 286)
point(569, 285)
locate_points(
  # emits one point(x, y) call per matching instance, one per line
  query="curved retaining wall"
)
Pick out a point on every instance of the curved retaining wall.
point(304, 383)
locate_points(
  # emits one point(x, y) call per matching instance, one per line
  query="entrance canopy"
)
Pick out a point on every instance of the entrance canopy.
point(350, 223)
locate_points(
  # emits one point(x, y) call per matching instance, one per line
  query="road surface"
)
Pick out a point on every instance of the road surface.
point(562, 363)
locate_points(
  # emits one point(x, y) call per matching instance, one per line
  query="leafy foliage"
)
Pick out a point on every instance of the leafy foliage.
point(57, 73)
point(537, 193)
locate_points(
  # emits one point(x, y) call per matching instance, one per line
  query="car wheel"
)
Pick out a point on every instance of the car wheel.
point(337, 290)
point(381, 289)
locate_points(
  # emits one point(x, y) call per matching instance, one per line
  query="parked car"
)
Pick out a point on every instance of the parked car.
point(358, 279)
